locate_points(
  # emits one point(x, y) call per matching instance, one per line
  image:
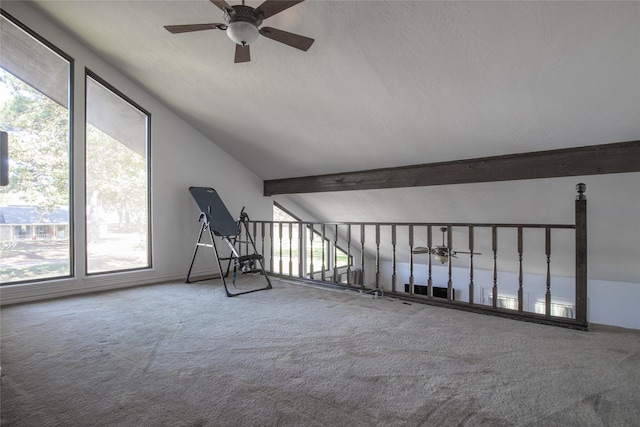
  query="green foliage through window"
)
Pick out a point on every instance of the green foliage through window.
point(286, 243)
point(35, 222)
point(117, 190)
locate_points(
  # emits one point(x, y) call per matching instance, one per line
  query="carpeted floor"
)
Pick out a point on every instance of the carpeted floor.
point(186, 355)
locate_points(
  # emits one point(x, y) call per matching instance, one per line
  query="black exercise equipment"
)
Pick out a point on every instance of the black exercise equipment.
point(217, 220)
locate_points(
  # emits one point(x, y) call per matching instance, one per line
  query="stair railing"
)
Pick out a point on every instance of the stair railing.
point(368, 256)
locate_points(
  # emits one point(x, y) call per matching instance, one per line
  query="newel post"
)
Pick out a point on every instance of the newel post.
point(581, 254)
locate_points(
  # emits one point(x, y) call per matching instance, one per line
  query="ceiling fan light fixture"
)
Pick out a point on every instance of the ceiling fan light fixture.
point(242, 32)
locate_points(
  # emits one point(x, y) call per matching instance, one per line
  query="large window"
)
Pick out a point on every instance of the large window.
point(285, 243)
point(36, 207)
point(117, 181)
point(35, 113)
point(327, 255)
point(319, 252)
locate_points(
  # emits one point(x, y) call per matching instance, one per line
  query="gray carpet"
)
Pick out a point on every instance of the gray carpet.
point(186, 355)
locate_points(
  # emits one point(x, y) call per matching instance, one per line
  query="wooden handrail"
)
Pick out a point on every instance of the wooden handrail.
point(331, 234)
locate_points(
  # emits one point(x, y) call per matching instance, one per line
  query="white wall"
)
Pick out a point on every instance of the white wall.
point(180, 157)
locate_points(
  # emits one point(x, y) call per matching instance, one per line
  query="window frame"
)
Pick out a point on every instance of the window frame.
point(72, 272)
point(89, 74)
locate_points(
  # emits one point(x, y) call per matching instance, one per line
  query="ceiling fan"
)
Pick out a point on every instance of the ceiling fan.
point(441, 252)
point(243, 26)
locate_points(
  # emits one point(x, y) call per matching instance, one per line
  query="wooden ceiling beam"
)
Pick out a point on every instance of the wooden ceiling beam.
point(617, 157)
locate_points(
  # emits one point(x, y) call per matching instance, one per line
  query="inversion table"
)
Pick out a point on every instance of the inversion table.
point(217, 220)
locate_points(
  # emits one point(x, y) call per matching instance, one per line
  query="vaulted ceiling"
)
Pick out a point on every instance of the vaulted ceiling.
point(391, 83)
point(386, 83)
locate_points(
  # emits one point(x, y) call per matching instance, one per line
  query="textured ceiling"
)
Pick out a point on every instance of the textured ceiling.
point(387, 83)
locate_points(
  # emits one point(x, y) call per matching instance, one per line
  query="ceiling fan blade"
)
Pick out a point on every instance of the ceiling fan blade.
point(176, 29)
point(242, 53)
point(420, 250)
point(223, 5)
point(271, 7)
point(293, 40)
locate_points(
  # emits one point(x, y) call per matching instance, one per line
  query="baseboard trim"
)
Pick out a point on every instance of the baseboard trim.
point(36, 291)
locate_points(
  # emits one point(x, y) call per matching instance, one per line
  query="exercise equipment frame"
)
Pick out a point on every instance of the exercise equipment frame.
point(216, 220)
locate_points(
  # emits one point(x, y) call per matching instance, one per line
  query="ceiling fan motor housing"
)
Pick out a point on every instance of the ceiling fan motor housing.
point(242, 13)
